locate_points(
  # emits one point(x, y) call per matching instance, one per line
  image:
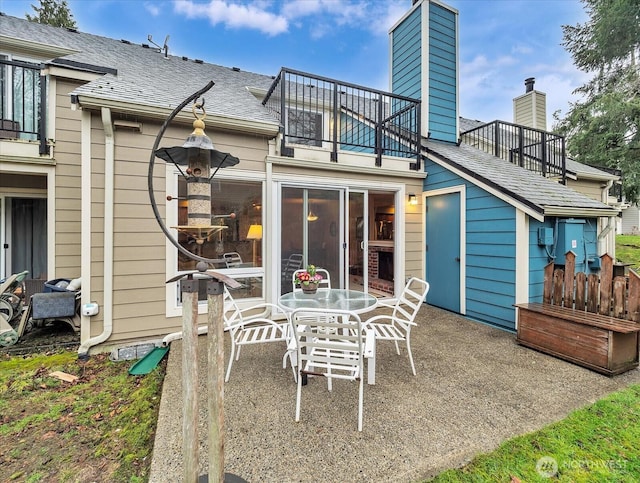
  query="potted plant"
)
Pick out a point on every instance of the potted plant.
point(308, 279)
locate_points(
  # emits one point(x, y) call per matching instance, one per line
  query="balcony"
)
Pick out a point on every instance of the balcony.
point(340, 117)
point(539, 151)
point(22, 97)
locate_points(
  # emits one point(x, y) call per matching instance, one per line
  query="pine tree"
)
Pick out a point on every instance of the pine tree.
point(603, 128)
point(53, 12)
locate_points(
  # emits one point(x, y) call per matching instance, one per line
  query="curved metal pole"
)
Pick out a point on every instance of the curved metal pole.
point(152, 197)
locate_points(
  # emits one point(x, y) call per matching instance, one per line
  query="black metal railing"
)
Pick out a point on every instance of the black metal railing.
point(22, 101)
point(326, 113)
point(536, 150)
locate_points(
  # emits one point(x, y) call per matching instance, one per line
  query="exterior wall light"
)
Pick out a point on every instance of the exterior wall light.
point(413, 199)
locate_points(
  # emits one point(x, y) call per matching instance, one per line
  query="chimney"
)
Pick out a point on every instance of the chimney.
point(528, 83)
point(530, 109)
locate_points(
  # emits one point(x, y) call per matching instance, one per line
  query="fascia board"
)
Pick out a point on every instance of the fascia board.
point(573, 212)
point(213, 121)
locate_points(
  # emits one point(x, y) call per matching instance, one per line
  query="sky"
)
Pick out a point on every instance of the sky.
point(502, 42)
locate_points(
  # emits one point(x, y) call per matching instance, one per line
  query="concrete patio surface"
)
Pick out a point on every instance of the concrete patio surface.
point(475, 387)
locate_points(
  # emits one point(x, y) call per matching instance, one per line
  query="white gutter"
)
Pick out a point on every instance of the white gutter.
point(109, 168)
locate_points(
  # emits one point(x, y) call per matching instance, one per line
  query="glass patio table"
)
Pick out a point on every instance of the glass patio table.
point(334, 299)
point(329, 298)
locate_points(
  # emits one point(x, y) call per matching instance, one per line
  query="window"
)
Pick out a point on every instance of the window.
point(20, 103)
point(235, 244)
point(304, 127)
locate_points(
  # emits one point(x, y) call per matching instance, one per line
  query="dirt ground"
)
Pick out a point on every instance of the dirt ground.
point(78, 431)
point(56, 335)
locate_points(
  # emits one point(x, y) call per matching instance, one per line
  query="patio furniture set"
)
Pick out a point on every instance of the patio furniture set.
point(324, 334)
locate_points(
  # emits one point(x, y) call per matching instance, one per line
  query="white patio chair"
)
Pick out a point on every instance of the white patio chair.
point(246, 329)
point(324, 283)
point(232, 259)
point(290, 265)
point(397, 325)
point(331, 347)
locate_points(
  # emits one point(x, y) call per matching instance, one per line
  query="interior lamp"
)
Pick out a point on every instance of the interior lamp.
point(312, 216)
point(255, 233)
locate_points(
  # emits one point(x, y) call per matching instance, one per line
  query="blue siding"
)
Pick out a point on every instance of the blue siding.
point(540, 256)
point(490, 250)
point(406, 56)
point(443, 112)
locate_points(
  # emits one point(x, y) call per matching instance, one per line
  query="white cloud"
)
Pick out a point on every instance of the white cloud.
point(152, 9)
point(235, 15)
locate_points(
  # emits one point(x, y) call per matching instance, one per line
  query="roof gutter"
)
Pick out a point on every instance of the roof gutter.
point(161, 113)
point(109, 180)
point(565, 211)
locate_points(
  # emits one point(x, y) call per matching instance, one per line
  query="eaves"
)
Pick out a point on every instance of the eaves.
point(160, 113)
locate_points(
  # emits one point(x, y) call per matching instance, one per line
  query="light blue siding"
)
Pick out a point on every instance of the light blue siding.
point(489, 249)
point(540, 256)
point(406, 56)
point(443, 113)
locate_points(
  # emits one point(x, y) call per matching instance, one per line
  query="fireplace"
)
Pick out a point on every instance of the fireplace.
point(385, 266)
point(381, 266)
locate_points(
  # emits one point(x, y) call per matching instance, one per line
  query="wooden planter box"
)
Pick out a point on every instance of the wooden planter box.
point(604, 344)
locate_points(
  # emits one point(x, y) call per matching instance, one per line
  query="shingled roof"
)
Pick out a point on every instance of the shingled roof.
point(540, 195)
point(141, 74)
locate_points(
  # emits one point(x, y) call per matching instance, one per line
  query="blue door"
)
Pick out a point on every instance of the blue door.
point(443, 250)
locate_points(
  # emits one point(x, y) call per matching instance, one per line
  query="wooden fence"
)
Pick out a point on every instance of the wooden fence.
point(596, 293)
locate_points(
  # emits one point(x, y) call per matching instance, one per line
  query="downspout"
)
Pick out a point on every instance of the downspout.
point(109, 168)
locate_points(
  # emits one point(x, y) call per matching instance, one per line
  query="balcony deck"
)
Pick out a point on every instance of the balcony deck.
point(340, 117)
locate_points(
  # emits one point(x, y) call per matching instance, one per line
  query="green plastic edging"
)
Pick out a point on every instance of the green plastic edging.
point(148, 362)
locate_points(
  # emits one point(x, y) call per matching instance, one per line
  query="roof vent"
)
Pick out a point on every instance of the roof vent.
point(198, 61)
point(235, 69)
point(75, 31)
point(185, 58)
point(125, 41)
point(528, 83)
point(145, 46)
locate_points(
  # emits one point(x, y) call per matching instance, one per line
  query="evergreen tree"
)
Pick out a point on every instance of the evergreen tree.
point(603, 128)
point(53, 12)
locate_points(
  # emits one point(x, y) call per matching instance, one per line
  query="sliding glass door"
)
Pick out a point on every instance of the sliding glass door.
point(349, 232)
point(311, 232)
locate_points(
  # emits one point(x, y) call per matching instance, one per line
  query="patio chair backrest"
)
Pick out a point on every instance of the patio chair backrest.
point(291, 264)
point(331, 346)
point(232, 259)
point(324, 283)
point(410, 301)
point(232, 314)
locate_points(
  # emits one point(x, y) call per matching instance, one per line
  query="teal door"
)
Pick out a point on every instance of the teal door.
point(443, 250)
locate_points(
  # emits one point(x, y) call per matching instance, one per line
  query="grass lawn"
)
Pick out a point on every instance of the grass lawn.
point(598, 443)
point(628, 250)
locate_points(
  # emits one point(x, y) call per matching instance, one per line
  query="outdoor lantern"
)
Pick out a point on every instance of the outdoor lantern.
point(413, 199)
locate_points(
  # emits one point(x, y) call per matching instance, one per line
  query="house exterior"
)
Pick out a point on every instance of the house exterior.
point(325, 169)
point(324, 176)
point(630, 222)
point(490, 224)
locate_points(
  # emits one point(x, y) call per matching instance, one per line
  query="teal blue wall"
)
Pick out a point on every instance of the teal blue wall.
point(540, 256)
point(406, 67)
point(490, 250)
point(406, 56)
point(443, 113)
